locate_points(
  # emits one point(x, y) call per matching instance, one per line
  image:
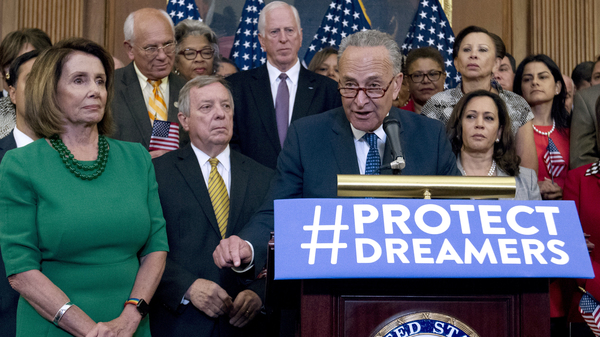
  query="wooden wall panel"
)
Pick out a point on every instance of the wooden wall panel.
point(517, 25)
point(567, 31)
point(59, 18)
point(484, 13)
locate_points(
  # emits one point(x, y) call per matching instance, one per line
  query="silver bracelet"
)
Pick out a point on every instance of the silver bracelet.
point(60, 313)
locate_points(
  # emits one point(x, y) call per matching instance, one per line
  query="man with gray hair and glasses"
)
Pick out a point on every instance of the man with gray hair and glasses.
point(146, 90)
point(351, 139)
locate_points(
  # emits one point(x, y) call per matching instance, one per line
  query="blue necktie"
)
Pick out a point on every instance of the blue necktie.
point(373, 160)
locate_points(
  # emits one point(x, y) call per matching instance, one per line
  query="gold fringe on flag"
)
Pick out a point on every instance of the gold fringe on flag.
point(447, 6)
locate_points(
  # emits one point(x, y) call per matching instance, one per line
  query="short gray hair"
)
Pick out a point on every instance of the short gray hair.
point(190, 27)
point(199, 82)
point(128, 27)
point(262, 18)
point(374, 38)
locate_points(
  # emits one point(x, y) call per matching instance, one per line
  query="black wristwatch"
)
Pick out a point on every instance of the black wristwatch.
point(143, 307)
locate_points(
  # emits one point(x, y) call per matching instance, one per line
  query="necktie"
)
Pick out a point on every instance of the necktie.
point(218, 196)
point(282, 108)
point(156, 103)
point(373, 160)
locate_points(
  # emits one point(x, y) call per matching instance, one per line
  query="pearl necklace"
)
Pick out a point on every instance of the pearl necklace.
point(545, 133)
point(491, 172)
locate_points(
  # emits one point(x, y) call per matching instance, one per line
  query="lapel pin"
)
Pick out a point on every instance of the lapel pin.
point(176, 104)
point(310, 88)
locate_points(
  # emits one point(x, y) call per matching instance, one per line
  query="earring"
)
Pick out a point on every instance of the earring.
point(497, 140)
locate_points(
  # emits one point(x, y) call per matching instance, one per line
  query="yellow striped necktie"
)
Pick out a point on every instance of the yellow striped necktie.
point(156, 103)
point(218, 196)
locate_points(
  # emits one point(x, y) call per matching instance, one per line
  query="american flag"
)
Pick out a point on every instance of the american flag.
point(430, 27)
point(553, 159)
point(180, 10)
point(247, 52)
point(343, 18)
point(590, 310)
point(165, 136)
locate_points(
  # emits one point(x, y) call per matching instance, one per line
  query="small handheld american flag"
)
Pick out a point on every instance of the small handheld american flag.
point(553, 159)
point(165, 136)
point(590, 310)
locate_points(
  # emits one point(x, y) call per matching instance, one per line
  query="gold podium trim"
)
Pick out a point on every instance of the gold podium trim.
point(427, 187)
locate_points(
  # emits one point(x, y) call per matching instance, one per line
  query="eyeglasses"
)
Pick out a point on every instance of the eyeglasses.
point(190, 54)
point(433, 76)
point(152, 52)
point(370, 92)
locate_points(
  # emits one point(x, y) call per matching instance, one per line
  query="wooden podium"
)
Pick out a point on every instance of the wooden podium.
point(358, 307)
point(517, 305)
point(492, 307)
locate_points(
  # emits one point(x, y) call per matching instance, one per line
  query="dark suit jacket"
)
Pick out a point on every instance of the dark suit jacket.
point(584, 135)
point(7, 143)
point(320, 147)
point(130, 112)
point(8, 297)
point(254, 124)
point(194, 234)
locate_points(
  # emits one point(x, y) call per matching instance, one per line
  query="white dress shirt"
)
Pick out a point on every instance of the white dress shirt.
point(292, 82)
point(20, 138)
point(224, 169)
point(362, 147)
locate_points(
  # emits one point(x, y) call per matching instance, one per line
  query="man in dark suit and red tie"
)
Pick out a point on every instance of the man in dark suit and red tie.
point(270, 97)
point(208, 193)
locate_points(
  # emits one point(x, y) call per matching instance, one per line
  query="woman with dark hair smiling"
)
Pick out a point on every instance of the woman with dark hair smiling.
point(539, 80)
point(479, 131)
point(475, 57)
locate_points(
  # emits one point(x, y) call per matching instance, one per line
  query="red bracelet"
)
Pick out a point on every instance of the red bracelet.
point(134, 301)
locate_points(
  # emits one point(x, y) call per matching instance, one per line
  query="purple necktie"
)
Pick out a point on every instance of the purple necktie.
point(282, 108)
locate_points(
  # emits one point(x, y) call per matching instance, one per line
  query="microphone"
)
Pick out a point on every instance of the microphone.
point(391, 127)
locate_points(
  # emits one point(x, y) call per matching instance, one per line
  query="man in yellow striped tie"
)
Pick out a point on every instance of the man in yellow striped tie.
point(146, 90)
point(208, 194)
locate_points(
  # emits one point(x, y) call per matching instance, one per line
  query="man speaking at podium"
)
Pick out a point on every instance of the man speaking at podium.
point(351, 139)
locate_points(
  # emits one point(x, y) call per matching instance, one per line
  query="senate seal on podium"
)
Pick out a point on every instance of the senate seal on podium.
point(424, 324)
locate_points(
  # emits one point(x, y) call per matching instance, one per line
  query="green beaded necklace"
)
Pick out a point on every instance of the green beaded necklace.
point(77, 168)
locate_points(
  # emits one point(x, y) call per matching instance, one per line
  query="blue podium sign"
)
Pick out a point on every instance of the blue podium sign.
point(415, 238)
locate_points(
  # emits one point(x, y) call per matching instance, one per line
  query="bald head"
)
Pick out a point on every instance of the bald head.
point(150, 42)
